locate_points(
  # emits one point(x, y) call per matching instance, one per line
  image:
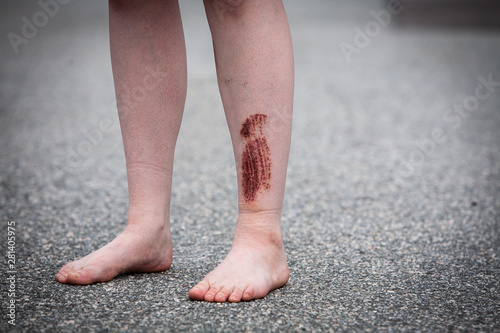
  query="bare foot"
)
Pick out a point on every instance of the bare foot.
point(136, 249)
point(255, 265)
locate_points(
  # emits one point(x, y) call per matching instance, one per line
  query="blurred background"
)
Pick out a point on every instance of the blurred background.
point(392, 204)
point(448, 13)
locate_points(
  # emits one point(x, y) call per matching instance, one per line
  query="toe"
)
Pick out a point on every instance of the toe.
point(198, 292)
point(62, 278)
point(73, 277)
point(62, 275)
point(236, 295)
point(223, 295)
point(248, 294)
point(210, 295)
point(82, 276)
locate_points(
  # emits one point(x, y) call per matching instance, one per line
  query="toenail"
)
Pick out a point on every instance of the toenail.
point(75, 275)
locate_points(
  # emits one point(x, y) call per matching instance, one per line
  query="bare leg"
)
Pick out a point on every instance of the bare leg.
point(149, 69)
point(254, 61)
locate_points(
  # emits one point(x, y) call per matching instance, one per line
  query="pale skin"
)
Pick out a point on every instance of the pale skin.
point(254, 61)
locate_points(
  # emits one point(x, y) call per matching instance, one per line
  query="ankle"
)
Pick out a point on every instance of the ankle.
point(262, 215)
point(148, 219)
point(259, 229)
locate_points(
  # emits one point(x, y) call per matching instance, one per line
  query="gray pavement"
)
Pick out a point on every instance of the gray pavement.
point(391, 216)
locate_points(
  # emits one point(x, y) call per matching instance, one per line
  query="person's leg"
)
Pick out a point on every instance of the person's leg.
point(149, 69)
point(254, 60)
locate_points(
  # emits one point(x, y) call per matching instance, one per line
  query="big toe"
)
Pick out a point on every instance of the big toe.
point(198, 292)
point(78, 277)
point(85, 276)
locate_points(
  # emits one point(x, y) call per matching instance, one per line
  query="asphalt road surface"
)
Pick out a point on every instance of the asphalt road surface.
point(392, 208)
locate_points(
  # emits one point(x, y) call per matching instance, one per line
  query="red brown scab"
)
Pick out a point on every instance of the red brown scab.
point(256, 158)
